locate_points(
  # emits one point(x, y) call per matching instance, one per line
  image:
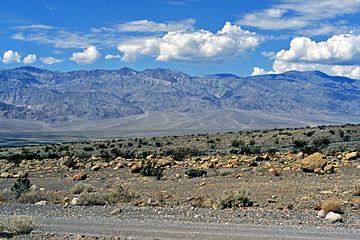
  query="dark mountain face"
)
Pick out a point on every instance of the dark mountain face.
point(36, 94)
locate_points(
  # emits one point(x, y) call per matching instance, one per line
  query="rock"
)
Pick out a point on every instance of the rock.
point(286, 169)
point(135, 168)
point(41, 203)
point(329, 168)
point(321, 213)
point(80, 176)
point(358, 166)
point(326, 193)
point(333, 217)
point(75, 201)
point(196, 173)
point(116, 211)
point(6, 175)
point(164, 162)
point(314, 161)
point(351, 155)
point(97, 167)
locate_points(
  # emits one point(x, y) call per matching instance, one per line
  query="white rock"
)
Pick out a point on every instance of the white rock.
point(333, 217)
point(75, 201)
point(41, 203)
point(322, 213)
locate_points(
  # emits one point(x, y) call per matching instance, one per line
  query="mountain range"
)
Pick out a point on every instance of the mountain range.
point(33, 98)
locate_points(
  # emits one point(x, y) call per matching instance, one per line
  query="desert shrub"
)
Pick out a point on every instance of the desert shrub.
point(309, 134)
point(181, 153)
point(235, 200)
point(21, 186)
point(357, 191)
point(299, 144)
point(331, 205)
point(152, 169)
point(88, 148)
point(346, 138)
point(82, 187)
point(91, 199)
point(33, 197)
point(116, 195)
point(2, 197)
point(237, 143)
point(20, 225)
point(321, 142)
point(69, 163)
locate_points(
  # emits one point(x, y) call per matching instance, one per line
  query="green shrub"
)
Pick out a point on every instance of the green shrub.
point(235, 200)
point(33, 197)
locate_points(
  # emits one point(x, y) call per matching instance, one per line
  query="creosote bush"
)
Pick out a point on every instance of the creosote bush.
point(152, 169)
point(235, 200)
point(21, 186)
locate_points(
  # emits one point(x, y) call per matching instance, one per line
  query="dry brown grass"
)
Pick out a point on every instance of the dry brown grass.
point(331, 205)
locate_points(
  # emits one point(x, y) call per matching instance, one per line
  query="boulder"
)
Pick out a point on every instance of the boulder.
point(80, 176)
point(314, 161)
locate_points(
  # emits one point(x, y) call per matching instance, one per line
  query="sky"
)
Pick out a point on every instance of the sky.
point(198, 37)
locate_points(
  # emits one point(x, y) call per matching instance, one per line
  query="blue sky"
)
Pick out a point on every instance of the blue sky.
point(195, 36)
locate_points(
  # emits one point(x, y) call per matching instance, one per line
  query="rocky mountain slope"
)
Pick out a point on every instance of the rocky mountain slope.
point(28, 93)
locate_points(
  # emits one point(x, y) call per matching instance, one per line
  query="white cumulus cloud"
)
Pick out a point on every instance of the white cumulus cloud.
point(89, 55)
point(50, 60)
point(339, 55)
point(307, 16)
point(11, 57)
point(339, 49)
point(29, 59)
point(192, 46)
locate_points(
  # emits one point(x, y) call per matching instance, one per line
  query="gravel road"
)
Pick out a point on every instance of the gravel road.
point(152, 223)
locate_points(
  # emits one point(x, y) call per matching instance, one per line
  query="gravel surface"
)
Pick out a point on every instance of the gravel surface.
point(180, 223)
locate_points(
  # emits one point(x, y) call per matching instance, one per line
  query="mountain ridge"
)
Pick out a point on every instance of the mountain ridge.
point(29, 93)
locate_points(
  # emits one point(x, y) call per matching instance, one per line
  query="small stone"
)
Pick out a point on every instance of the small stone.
point(97, 167)
point(321, 213)
point(329, 168)
point(333, 217)
point(6, 175)
point(286, 168)
point(75, 201)
point(80, 176)
point(41, 203)
point(358, 166)
point(326, 192)
point(135, 168)
point(116, 211)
